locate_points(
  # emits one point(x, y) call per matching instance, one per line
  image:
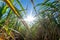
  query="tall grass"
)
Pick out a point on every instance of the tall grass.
point(47, 27)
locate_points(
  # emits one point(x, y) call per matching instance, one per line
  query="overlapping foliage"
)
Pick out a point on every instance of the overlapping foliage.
point(47, 27)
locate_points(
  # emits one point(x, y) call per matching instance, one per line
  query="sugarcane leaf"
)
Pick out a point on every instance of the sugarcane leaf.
point(16, 12)
point(21, 6)
point(12, 7)
point(42, 3)
point(4, 9)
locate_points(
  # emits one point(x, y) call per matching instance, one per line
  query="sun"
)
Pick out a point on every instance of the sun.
point(29, 18)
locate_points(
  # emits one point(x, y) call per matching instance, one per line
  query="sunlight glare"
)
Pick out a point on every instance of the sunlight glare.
point(29, 18)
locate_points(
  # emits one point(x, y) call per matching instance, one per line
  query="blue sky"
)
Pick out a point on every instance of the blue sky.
point(27, 4)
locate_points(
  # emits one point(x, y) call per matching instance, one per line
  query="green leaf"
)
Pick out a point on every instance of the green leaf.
point(42, 3)
point(1, 8)
point(4, 9)
point(21, 6)
point(16, 12)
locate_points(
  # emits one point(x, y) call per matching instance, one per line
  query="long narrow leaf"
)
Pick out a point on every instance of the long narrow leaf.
point(21, 6)
point(16, 12)
point(12, 7)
